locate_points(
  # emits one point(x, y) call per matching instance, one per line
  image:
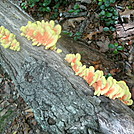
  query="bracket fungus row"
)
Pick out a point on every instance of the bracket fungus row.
point(102, 86)
point(42, 33)
point(47, 34)
point(7, 39)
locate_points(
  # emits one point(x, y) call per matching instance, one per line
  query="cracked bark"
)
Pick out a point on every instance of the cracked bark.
point(62, 102)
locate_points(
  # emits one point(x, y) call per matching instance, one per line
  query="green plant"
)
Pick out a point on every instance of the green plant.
point(108, 75)
point(75, 36)
point(42, 6)
point(116, 48)
point(108, 14)
point(76, 9)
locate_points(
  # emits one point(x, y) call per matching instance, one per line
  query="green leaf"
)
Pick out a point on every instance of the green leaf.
point(120, 48)
point(115, 12)
point(115, 17)
point(111, 9)
point(108, 14)
point(76, 37)
point(116, 44)
point(107, 3)
point(32, 5)
point(54, 16)
point(112, 28)
point(108, 75)
point(70, 34)
point(76, 6)
point(129, 7)
point(106, 29)
point(57, 5)
point(67, 33)
point(102, 12)
point(107, 23)
point(47, 9)
point(77, 11)
point(71, 11)
point(115, 51)
point(116, 22)
point(100, 3)
point(102, 7)
point(55, 10)
point(24, 5)
point(111, 46)
point(111, 21)
point(78, 34)
point(112, 1)
point(46, 2)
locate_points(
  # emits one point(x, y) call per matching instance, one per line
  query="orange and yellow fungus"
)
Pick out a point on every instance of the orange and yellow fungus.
point(102, 86)
point(7, 39)
point(42, 33)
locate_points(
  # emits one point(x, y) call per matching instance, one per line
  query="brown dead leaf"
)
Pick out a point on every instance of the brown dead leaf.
point(126, 14)
point(115, 71)
point(71, 22)
point(28, 110)
point(29, 115)
point(97, 66)
point(95, 62)
point(90, 36)
point(26, 128)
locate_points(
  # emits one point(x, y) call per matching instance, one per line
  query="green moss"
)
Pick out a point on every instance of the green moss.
point(8, 116)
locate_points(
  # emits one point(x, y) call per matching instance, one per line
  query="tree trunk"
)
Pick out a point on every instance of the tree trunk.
point(62, 102)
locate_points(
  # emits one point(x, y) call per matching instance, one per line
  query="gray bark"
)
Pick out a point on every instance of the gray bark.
point(62, 102)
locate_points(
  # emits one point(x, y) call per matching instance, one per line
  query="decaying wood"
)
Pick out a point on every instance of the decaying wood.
point(125, 32)
point(62, 102)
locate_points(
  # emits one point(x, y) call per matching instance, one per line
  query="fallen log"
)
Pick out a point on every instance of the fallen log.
point(62, 102)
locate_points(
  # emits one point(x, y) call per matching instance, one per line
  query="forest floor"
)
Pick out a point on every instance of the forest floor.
point(15, 115)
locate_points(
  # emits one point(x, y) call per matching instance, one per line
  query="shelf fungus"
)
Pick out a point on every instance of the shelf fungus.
point(102, 86)
point(7, 39)
point(42, 33)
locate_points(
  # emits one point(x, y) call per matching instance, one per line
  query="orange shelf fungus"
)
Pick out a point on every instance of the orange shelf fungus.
point(102, 86)
point(7, 39)
point(42, 33)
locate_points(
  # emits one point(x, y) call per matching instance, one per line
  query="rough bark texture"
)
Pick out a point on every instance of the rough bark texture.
point(62, 102)
point(125, 32)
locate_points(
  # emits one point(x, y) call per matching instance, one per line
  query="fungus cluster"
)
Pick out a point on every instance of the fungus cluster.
point(42, 33)
point(47, 34)
point(102, 86)
point(7, 39)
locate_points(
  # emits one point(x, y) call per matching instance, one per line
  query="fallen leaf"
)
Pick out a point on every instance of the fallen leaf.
point(29, 115)
point(115, 71)
point(95, 62)
point(28, 110)
point(126, 14)
point(71, 22)
point(90, 35)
